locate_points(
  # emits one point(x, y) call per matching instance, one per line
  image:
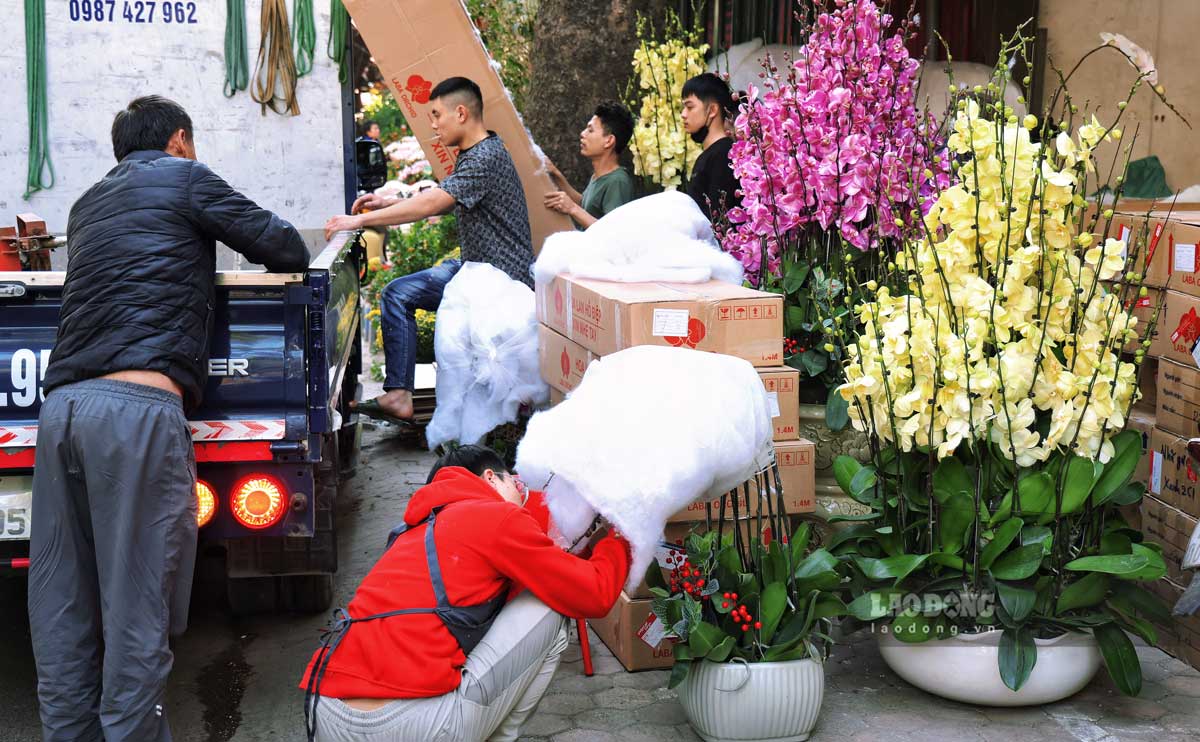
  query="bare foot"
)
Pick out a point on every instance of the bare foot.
point(395, 402)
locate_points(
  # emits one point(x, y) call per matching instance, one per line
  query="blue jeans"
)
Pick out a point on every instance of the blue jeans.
point(398, 305)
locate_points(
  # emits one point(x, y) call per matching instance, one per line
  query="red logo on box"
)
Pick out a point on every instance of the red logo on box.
point(739, 313)
point(565, 363)
point(770, 311)
point(1188, 329)
point(724, 314)
point(696, 333)
point(755, 312)
point(558, 301)
point(419, 88)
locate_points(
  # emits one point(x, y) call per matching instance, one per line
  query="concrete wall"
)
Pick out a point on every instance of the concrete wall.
point(292, 165)
point(1169, 30)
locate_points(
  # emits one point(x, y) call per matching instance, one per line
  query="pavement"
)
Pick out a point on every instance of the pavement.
point(236, 679)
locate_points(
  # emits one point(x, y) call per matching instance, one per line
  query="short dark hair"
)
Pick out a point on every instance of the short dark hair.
point(366, 126)
point(475, 459)
point(463, 87)
point(148, 122)
point(617, 121)
point(710, 88)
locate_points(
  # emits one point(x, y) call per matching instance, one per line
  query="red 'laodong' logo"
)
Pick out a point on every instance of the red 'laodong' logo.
point(419, 88)
point(558, 302)
point(565, 363)
point(696, 333)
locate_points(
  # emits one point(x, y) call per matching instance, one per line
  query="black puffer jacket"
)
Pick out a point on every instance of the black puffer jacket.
point(141, 266)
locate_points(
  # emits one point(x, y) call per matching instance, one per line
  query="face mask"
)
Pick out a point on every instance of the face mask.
point(702, 133)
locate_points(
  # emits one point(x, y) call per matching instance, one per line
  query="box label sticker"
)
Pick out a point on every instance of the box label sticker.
point(1156, 464)
point(653, 631)
point(1185, 258)
point(773, 402)
point(670, 323)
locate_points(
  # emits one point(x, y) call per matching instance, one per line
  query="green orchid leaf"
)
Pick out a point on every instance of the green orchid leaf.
point(815, 361)
point(1086, 592)
point(1127, 452)
point(837, 411)
point(1130, 494)
point(1035, 494)
point(1143, 601)
point(1018, 656)
point(1115, 543)
point(1018, 564)
point(1120, 658)
point(862, 486)
point(1004, 537)
point(915, 628)
point(951, 476)
point(1003, 509)
point(891, 568)
point(1155, 569)
point(1082, 475)
point(793, 320)
point(799, 542)
point(1123, 564)
point(957, 517)
point(816, 563)
point(844, 469)
point(1018, 601)
point(874, 605)
point(953, 561)
point(794, 276)
point(771, 607)
point(1038, 535)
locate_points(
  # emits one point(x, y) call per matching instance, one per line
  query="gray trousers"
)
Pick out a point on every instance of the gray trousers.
point(112, 549)
point(506, 675)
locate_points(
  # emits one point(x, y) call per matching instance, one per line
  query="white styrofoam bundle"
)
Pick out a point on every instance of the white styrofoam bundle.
point(486, 344)
point(664, 237)
point(648, 431)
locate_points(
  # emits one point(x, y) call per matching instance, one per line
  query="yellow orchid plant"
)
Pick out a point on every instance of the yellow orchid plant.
point(993, 365)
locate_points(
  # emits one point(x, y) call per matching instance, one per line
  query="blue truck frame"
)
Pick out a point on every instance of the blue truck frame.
point(285, 358)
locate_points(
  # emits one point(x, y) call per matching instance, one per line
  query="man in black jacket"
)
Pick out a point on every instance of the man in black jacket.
point(114, 540)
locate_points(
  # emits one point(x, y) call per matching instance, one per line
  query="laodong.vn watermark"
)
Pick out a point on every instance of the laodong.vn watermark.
point(961, 609)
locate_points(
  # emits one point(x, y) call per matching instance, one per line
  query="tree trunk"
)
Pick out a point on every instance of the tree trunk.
point(582, 54)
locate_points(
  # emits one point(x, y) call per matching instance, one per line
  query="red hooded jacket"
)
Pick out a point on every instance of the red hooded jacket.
point(485, 545)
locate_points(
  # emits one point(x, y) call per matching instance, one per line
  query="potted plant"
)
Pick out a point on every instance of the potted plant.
point(751, 614)
point(832, 155)
point(987, 368)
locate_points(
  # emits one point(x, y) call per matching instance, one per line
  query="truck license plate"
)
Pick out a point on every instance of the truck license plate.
point(15, 512)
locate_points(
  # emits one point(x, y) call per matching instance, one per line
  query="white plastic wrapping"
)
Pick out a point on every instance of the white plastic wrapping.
point(486, 345)
point(648, 431)
point(664, 237)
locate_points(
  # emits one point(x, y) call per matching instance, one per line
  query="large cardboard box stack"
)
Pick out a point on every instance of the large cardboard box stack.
point(584, 320)
point(419, 43)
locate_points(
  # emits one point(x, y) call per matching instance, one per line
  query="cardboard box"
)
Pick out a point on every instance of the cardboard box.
point(634, 634)
point(563, 362)
point(1173, 474)
point(796, 473)
point(783, 392)
point(1179, 329)
point(606, 316)
point(556, 396)
point(1141, 419)
point(1171, 529)
point(419, 43)
point(1178, 408)
point(1148, 384)
point(1166, 237)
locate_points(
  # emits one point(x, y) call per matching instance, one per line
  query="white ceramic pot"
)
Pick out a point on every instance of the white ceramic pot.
point(763, 701)
point(966, 668)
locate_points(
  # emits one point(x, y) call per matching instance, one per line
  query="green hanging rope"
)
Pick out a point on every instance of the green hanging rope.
point(304, 35)
point(339, 27)
point(237, 64)
point(35, 94)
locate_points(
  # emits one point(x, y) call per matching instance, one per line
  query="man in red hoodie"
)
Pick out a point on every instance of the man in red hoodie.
point(430, 647)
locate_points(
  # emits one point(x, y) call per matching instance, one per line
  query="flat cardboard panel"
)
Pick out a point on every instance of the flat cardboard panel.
point(1173, 474)
point(562, 361)
point(419, 43)
point(622, 631)
point(784, 383)
point(1178, 407)
point(606, 317)
point(1170, 249)
point(1141, 419)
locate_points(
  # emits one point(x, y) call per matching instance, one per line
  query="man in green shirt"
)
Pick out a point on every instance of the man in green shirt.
point(602, 142)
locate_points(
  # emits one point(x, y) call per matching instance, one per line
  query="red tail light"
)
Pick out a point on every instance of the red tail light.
point(206, 503)
point(258, 501)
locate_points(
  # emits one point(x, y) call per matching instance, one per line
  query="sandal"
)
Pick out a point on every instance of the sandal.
point(372, 409)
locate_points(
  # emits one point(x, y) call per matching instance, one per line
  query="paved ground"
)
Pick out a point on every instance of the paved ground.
point(236, 679)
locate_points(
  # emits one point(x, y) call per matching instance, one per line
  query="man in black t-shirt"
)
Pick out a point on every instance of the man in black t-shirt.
point(707, 104)
point(485, 194)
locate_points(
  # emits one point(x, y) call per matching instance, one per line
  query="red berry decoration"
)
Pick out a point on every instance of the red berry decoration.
point(725, 604)
point(746, 627)
point(758, 624)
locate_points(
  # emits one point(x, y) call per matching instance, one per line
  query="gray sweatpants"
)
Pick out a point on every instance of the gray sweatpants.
point(112, 549)
point(505, 677)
